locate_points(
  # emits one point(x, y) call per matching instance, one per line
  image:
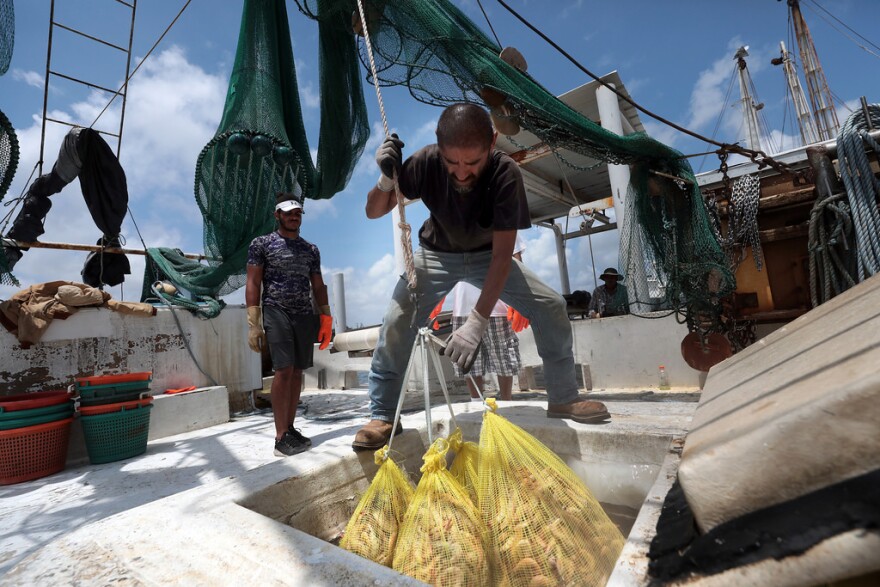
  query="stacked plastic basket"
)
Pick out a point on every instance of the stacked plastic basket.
point(115, 415)
point(34, 434)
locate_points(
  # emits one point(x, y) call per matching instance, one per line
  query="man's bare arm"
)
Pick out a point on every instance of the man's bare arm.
point(380, 203)
point(253, 285)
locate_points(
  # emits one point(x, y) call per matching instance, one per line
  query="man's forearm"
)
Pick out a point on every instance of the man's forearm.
point(496, 277)
point(380, 203)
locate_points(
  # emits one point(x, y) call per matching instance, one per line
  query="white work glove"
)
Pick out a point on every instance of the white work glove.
point(256, 334)
point(389, 157)
point(464, 342)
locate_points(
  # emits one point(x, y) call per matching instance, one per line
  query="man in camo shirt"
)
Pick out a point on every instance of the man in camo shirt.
point(284, 271)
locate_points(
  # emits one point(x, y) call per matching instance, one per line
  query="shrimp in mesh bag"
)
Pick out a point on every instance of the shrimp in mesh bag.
point(373, 529)
point(544, 526)
point(464, 465)
point(442, 540)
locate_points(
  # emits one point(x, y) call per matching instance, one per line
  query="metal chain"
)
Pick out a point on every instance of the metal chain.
point(743, 219)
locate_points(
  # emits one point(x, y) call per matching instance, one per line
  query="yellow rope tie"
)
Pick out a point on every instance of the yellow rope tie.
point(405, 229)
point(435, 457)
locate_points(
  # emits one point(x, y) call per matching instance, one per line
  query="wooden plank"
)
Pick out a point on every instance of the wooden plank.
point(87, 248)
point(805, 195)
point(526, 156)
point(784, 233)
point(798, 196)
point(774, 315)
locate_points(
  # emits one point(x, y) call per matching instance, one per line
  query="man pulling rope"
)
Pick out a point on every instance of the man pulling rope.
point(477, 202)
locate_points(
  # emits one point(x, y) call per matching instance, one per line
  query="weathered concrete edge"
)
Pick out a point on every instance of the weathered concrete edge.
point(631, 569)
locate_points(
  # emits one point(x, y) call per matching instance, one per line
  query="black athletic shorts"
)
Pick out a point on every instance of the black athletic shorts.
point(291, 337)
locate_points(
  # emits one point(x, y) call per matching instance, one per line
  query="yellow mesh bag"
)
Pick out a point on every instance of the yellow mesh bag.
point(373, 529)
point(464, 465)
point(545, 528)
point(441, 538)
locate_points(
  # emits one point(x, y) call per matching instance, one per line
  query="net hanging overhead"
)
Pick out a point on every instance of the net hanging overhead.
point(260, 146)
point(7, 34)
point(442, 57)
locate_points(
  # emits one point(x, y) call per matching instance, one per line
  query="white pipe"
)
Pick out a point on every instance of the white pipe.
point(357, 340)
point(339, 302)
point(618, 175)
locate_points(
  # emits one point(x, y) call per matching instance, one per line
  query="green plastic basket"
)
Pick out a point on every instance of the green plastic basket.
point(96, 395)
point(64, 408)
point(114, 387)
point(113, 399)
point(116, 436)
point(26, 420)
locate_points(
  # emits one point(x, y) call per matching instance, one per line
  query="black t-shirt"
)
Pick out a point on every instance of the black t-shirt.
point(462, 223)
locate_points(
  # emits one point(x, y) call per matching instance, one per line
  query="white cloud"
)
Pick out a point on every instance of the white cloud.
point(709, 93)
point(172, 111)
point(31, 78)
point(308, 96)
point(367, 292)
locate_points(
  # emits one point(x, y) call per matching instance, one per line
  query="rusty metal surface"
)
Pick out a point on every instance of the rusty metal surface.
point(702, 356)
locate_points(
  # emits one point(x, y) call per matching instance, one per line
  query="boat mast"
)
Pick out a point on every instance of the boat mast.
point(806, 124)
point(749, 108)
point(822, 104)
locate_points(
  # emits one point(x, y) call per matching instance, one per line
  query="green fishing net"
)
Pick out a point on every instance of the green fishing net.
point(7, 34)
point(441, 57)
point(8, 165)
point(260, 146)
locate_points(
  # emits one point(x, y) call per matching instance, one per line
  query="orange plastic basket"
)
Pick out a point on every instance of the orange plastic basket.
point(117, 407)
point(113, 379)
point(33, 452)
point(36, 399)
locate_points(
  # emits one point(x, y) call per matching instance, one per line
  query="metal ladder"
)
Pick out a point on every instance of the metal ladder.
point(58, 75)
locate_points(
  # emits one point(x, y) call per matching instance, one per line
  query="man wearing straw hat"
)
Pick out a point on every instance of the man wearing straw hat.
point(477, 202)
point(284, 272)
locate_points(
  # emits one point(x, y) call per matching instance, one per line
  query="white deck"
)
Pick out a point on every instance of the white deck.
point(46, 511)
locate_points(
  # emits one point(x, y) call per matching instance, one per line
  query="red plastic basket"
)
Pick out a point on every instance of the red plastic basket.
point(117, 407)
point(113, 379)
point(37, 399)
point(33, 452)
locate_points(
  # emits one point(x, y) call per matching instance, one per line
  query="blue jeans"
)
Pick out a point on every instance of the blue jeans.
point(436, 274)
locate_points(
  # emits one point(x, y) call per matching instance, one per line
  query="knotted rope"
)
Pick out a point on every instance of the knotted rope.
point(405, 229)
point(862, 187)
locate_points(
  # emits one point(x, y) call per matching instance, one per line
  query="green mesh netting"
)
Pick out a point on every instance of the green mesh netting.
point(164, 263)
point(442, 57)
point(669, 250)
point(7, 34)
point(261, 148)
point(8, 165)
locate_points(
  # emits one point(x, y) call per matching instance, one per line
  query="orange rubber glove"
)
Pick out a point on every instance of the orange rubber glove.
point(517, 321)
point(325, 332)
point(435, 312)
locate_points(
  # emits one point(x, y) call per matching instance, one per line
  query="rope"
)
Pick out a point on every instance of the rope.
point(405, 229)
point(161, 296)
point(831, 252)
point(131, 75)
point(862, 187)
point(489, 22)
point(756, 156)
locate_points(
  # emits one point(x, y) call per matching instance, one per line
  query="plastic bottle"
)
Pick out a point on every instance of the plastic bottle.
point(664, 379)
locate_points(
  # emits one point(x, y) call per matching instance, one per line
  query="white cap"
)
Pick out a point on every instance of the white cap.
point(288, 205)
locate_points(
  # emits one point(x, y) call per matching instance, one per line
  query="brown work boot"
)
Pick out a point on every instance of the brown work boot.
point(583, 411)
point(374, 435)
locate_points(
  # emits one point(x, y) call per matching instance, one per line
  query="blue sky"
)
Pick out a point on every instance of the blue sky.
point(676, 59)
